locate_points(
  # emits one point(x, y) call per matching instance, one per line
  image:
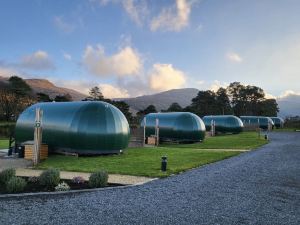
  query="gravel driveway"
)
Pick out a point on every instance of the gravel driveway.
point(258, 187)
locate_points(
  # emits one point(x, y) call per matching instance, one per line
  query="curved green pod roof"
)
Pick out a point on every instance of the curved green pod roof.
point(278, 121)
point(176, 126)
point(78, 127)
point(263, 121)
point(224, 123)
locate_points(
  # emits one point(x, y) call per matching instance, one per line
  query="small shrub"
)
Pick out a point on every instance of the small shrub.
point(33, 180)
point(62, 187)
point(49, 178)
point(6, 175)
point(78, 180)
point(98, 179)
point(15, 185)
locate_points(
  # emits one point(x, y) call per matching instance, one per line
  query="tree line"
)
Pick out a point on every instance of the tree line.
point(236, 99)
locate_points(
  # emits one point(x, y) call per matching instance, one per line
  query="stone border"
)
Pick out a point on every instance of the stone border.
point(34, 194)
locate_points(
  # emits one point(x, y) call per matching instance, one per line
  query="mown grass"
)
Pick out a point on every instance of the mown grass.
point(286, 129)
point(244, 140)
point(139, 161)
point(147, 161)
point(4, 144)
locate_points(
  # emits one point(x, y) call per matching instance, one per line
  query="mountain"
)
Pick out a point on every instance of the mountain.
point(162, 100)
point(45, 86)
point(289, 105)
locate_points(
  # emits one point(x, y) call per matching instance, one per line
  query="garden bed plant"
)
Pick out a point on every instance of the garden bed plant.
point(49, 181)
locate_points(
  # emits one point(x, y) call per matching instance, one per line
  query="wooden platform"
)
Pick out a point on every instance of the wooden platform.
point(29, 152)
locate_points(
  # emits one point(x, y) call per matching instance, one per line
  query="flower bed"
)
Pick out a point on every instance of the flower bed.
point(49, 181)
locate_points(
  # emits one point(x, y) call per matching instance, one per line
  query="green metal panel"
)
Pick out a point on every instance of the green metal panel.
point(224, 123)
point(79, 127)
point(176, 126)
point(278, 122)
point(263, 121)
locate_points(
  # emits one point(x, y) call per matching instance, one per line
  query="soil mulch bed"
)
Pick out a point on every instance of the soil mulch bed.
point(36, 187)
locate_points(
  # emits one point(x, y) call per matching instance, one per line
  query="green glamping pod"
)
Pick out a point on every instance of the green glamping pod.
point(224, 123)
point(278, 122)
point(175, 126)
point(262, 121)
point(77, 127)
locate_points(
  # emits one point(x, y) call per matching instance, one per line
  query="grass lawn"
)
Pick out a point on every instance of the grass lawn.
point(146, 161)
point(244, 140)
point(286, 129)
point(4, 144)
point(139, 161)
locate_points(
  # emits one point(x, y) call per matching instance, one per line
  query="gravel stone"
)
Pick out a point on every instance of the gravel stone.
point(257, 187)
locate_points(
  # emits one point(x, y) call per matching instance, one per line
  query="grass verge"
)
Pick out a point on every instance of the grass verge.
point(139, 161)
point(244, 140)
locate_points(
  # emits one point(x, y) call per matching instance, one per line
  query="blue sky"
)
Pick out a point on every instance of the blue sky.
point(131, 47)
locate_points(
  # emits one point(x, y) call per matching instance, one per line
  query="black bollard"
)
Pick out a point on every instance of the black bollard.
point(266, 136)
point(164, 161)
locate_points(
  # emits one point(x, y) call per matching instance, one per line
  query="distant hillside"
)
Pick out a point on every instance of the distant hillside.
point(163, 100)
point(289, 105)
point(45, 86)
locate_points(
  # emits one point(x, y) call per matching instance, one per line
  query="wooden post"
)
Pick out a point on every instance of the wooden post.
point(212, 128)
point(37, 136)
point(157, 131)
point(145, 120)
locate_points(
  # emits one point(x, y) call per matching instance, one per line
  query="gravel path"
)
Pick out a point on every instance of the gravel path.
point(258, 187)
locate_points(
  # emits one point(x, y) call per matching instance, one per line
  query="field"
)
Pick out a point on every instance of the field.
point(146, 161)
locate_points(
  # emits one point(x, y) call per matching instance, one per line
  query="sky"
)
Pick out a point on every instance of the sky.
point(134, 47)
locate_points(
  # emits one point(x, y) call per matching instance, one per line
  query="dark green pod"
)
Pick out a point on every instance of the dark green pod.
point(78, 127)
point(176, 126)
point(278, 122)
point(224, 123)
point(263, 121)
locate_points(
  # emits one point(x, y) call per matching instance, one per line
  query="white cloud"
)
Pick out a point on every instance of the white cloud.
point(288, 93)
point(165, 77)
point(137, 10)
point(269, 96)
point(39, 60)
point(217, 84)
point(125, 62)
point(61, 24)
point(173, 18)
point(67, 56)
point(234, 57)
point(110, 91)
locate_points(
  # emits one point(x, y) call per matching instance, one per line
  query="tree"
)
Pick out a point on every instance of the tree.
point(150, 109)
point(42, 97)
point(250, 100)
point(19, 86)
point(174, 107)
point(15, 96)
point(63, 98)
point(203, 104)
point(223, 102)
point(268, 107)
point(94, 95)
